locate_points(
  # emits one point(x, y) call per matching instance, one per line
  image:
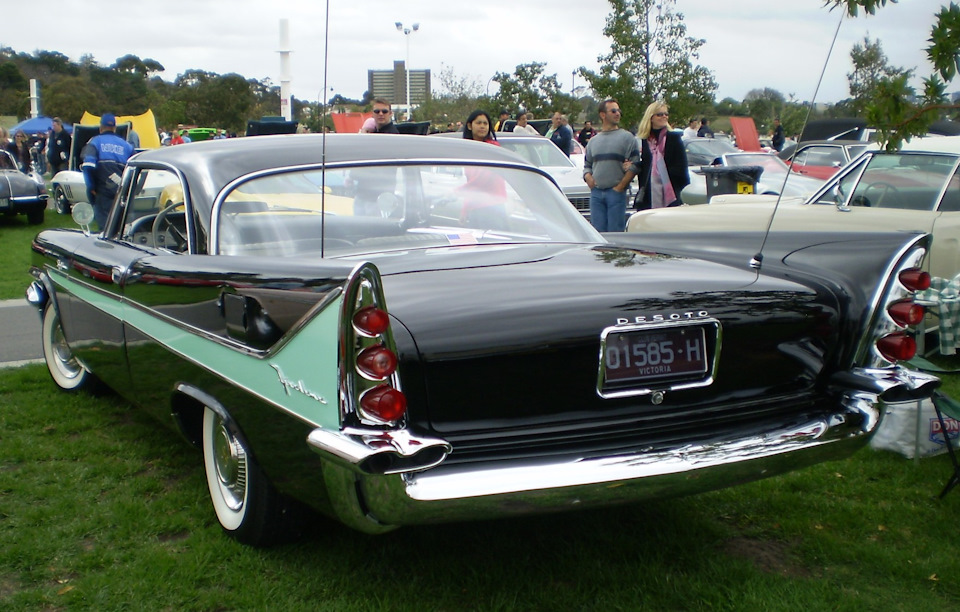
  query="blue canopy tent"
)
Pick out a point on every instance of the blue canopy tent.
point(37, 125)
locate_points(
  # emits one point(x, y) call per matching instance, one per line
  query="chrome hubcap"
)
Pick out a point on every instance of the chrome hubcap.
point(231, 462)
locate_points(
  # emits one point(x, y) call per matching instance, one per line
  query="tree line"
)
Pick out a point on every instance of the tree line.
point(651, 57)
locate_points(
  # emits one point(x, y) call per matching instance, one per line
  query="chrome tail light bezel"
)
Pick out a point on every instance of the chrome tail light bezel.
point(364, 290)
point(884, 325)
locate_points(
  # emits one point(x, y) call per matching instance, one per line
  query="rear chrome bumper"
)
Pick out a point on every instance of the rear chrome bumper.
point(379, 502)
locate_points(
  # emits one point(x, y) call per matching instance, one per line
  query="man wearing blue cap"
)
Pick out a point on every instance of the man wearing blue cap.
point(104, 157)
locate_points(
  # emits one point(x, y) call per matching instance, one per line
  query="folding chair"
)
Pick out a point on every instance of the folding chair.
point(945, 405)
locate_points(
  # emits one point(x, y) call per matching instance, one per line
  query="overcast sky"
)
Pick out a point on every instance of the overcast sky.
point(782, 44)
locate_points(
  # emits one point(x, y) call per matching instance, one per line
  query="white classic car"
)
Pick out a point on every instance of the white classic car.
point(906, 191)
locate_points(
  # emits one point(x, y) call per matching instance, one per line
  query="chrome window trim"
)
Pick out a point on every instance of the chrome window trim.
point(189, 212)
point(214, 238)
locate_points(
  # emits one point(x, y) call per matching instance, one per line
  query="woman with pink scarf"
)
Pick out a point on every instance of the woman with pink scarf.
point(663, 167)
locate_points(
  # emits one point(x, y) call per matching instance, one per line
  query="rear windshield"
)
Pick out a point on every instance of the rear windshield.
point(370, 208)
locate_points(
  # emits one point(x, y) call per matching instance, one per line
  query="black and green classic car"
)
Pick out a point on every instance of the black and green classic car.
point(397, 330)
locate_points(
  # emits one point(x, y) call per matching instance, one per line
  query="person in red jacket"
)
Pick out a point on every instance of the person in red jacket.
point(485, 192)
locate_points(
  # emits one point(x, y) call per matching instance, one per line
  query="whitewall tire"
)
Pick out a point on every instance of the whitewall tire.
point(63, 366)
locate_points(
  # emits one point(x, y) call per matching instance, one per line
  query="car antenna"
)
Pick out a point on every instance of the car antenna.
point(757, 260)
point(323, 134)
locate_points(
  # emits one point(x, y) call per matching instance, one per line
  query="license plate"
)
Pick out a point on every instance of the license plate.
point(660, 356)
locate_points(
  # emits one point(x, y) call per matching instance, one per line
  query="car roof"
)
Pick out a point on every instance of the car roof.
point(208, 166)
point(221, 161)
point(500, 135)
point(808, 143)
point(247, 154)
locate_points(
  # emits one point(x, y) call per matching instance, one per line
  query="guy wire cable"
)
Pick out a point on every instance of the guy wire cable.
point(323, 133)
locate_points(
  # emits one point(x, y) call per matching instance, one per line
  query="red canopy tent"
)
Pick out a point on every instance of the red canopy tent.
point(349, 123)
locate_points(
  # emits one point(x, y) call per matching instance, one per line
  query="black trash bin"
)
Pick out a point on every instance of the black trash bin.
point(731, 179)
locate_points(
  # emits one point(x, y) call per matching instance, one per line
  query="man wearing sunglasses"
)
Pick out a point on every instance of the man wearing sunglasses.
point(383, 117)
point(611, 162)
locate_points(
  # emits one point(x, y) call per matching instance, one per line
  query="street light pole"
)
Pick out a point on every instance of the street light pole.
point(406, 66)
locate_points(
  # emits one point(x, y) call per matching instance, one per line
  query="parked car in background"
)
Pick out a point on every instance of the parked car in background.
point(822, 158)
point(407, 330)
point(707, 151)
point(906, 191)
point(544, 154)
point(21, 193)
point(774, 179)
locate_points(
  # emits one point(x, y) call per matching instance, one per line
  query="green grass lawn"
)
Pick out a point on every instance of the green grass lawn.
point(15, 238)
point(103, 509)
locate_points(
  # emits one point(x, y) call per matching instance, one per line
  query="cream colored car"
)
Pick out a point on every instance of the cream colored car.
point(917, 191)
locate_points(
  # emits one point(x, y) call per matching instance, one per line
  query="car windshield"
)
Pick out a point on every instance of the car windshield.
point(371, 208)
point(704, 151)
point(7, 161)
point(538, 151)
point(911, 181)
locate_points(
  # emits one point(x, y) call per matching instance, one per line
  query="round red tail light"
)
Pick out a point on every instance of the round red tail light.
point(371, 321)
point(377, 362)
point(897, 347)
point(384, 403)
point(915, 279)
point(906, 312)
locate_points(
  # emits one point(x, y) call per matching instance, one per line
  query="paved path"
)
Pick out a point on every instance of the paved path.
point(19, 334)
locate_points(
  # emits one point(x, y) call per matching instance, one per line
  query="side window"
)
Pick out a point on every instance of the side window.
point(154, 211)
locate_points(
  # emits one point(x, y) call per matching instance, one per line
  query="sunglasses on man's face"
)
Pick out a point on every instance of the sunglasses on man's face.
point(380, 111)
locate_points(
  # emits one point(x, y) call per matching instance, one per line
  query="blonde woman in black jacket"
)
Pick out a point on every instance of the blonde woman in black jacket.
point(663, 166)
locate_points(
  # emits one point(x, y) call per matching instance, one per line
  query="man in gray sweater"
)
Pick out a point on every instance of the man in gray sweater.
point(603, 169)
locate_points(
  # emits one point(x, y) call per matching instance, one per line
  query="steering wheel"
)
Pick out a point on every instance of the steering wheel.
point(140, 225)
point(171, 228)
point(883, 188)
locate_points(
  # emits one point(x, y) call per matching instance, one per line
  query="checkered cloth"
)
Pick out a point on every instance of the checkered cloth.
point(943, 299)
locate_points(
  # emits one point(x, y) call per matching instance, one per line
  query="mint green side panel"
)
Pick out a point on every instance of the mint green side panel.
point(300, 378)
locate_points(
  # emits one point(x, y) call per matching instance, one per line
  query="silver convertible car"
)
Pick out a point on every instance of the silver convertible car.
point(398, 330)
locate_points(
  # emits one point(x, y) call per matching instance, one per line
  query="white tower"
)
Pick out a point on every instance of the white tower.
point(34, 99)
point(286, 104)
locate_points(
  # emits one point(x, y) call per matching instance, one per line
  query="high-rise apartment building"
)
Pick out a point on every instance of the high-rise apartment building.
point(392, 84)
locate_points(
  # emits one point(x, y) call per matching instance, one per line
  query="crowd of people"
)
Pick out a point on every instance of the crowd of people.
point(46, 152)
point(29, 150)
point(614, 156)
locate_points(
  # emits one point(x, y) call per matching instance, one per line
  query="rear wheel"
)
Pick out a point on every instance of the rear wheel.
point(248, 507)
point(60, 201)
point(66, 371)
